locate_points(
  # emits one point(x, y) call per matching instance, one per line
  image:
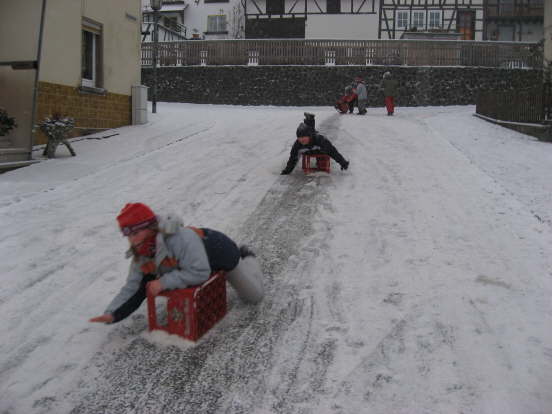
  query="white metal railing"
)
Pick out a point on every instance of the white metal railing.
point(345, 52)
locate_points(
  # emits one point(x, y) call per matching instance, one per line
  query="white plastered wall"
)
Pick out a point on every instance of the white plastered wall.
point(61, 54)
point(19, 33)
point(195, 17)
point(342, 26)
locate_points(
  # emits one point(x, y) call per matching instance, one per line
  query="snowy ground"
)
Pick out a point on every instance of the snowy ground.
point(419, 281)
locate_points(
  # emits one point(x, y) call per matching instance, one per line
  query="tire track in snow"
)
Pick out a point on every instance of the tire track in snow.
point(234, 358)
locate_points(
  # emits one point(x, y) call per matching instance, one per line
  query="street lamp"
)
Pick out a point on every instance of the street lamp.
point(156, 6)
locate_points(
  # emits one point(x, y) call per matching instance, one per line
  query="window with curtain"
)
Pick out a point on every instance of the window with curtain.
point(418, 19)
point(91, 54)
point(216, 23)
point(434, 19)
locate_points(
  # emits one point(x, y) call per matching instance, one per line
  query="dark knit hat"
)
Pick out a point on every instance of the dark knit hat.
point(303, 130)
point(134, 217)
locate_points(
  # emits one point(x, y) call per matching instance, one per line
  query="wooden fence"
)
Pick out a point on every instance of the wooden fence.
point(528, 105)
point(344, 52)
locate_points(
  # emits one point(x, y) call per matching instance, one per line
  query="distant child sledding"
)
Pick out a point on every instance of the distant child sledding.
point(166, 256)
point(309, 141)
point(355, 95)
point(348, 101)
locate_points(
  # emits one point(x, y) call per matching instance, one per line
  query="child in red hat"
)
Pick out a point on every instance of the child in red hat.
point(166, 255)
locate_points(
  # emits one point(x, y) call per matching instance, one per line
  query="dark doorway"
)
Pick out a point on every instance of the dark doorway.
point(465, 24)
point(275, 6)
point(275, 28)
point(333, 6)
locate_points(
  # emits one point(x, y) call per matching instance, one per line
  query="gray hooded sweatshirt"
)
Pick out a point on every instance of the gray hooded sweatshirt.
point(176, 243)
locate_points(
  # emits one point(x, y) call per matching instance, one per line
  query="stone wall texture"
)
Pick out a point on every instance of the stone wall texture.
point(90, 110)
point(322, 85)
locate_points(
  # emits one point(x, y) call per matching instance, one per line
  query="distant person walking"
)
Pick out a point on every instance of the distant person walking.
point(362, 95)
point(390, 90)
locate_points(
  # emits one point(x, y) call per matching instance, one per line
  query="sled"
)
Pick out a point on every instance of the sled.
point(316, 162)
point(191, 312)
point(342, 104)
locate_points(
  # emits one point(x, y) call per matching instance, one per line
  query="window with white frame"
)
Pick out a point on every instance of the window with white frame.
point(434, 19)
point(418, 19)
point(402, 20)
point(216, 23)
point(91, 66)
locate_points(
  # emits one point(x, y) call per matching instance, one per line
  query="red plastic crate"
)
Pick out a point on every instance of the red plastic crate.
point(191, 312)
point(316, 162)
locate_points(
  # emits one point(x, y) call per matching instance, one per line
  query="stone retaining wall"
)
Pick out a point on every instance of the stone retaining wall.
point(322, 85)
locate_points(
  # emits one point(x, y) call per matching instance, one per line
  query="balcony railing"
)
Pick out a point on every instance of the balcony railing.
point(175, 32)
point(519, 9)
point(344, 52)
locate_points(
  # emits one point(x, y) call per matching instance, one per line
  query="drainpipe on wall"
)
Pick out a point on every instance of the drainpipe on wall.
point(155, 57)
point(37, 71)
point(379, 20)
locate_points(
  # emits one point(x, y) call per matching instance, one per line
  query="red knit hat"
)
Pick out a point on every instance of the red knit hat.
point(134, 217)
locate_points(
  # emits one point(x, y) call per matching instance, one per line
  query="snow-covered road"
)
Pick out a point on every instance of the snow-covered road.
point(418, 281)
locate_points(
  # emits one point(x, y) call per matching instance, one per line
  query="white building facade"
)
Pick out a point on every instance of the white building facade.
point(505, 20)
point(361, 19)
point(195, 20)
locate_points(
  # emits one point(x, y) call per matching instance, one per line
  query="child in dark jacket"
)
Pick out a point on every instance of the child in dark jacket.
point(310, 141)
